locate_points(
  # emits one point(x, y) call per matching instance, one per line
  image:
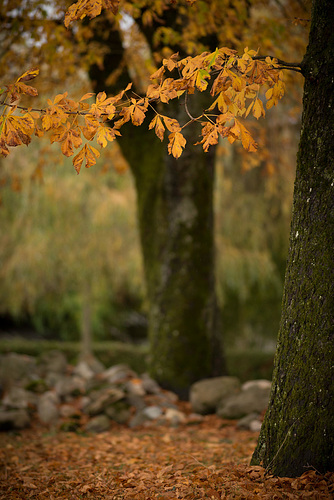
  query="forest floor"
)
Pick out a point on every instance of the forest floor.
point(207, 460)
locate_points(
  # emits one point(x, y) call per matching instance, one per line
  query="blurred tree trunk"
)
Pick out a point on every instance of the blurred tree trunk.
point(175, 214)
point(298, 430)
point(86, 324)
point(175, 211)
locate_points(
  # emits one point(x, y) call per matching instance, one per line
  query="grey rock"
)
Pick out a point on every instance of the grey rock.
point(245, 422)
point(53, 362)
point(152, 412)
point(261, 384)
point(135, 387)
point(150, 386)
point(206, 394)
point(65, 386)
point(16, 368)
point(117, 373)
point(14, 419)
point(138, 419)
point(19, 398)
point(100, 423)
point(83, 370)
point(100, 400)
point(119, 412)
point(47, 408)
point(175, 417)
point(252, 399)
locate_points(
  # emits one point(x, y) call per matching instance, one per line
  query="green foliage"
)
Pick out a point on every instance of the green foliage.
point(58, 236)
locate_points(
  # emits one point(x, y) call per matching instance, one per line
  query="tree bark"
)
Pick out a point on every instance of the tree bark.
point(298, 430)
point(175, 212)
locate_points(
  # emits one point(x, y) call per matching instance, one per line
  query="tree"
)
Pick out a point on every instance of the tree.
point(298, 430)
point(175, 208)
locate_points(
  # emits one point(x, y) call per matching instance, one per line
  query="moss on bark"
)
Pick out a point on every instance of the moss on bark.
point(175, 211)
point(298, 430)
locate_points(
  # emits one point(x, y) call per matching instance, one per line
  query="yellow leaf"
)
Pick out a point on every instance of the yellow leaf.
point(28, 75)
point(176, 144)
point(105, 134)
point(172, 124)
point(258, 109)
point(88, 153)
point(246, 139)
point(159, 127)
point(87, 96)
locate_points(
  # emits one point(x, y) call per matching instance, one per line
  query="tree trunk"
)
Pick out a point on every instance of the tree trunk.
point(298, 430)
point(175, 211)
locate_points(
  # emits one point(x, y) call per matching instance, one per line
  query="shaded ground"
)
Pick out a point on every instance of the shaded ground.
point(208, 460)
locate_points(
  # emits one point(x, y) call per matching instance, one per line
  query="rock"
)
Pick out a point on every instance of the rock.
point(247, 421)
point(47, 408)
point(261, 384)
point(100, 400)
point(100, 423)
point(117, 373)
point(253, 398)
point(14, 419)
point(138, 419)
point(119, 412)
point(150, 386)
point(68, 411)
point(17, 368)
point(152, 412)
point(66, 386)
point(175, 417)
point(53, 362)
point(84, 370)
point(206, 394)
point(19, 398)
point(135, 387)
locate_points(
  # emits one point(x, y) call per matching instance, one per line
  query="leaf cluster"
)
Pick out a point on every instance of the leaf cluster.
point(236, 84)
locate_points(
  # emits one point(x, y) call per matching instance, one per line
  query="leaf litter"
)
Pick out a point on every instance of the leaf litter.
point(206, 460)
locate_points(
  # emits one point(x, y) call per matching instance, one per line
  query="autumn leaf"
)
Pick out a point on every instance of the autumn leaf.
point(171, 123)
point(240, 131)
point(258, 109)
point(158, 126)
point(28, 75)
point(105, 134)
point(176, 144)
point(87, 153)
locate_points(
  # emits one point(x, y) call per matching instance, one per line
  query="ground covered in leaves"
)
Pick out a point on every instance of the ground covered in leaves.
point(207, 460)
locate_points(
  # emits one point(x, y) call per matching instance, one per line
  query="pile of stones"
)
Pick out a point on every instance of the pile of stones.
point(88, 397)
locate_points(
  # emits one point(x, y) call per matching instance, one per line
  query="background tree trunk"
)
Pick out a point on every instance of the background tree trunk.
point(298, 430)
point(175, 211)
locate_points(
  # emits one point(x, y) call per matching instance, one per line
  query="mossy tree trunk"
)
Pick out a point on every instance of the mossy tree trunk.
point(298, 430)
point(175, 211)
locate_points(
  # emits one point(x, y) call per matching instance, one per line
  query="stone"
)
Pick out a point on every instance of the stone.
point(65, 386)
point(47, 408)
point(245, 422)
point(117, 373)
point(100, 400)
point(135, 387)
point(53, 362)
point(175, 417)
point(18, 398)
point(100, 423)
point(16, 368)
point(206, 394)
point(253, 398)
point(83, 370)
point(150, 386)
point(14, 419)
point(152, 412)
point(119, 412)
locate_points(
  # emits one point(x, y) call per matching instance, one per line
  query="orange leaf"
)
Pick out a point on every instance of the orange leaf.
point(159, 127)
point(28, 75)
point(176, 144)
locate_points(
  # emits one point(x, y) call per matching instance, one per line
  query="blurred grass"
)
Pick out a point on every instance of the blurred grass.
point(244, 364)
